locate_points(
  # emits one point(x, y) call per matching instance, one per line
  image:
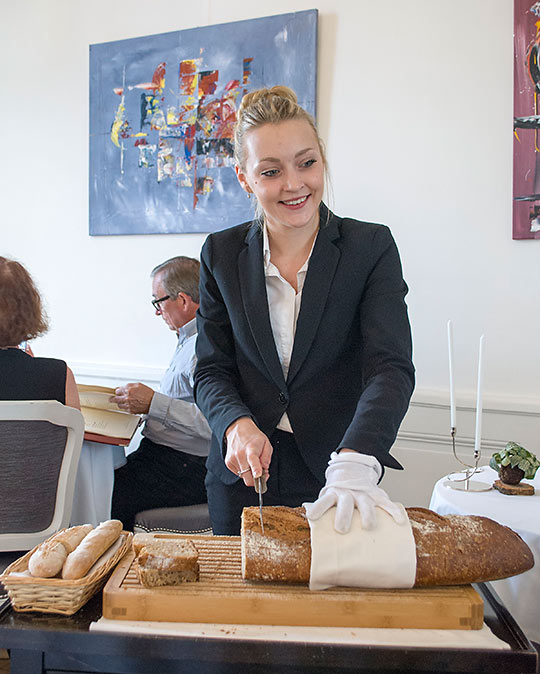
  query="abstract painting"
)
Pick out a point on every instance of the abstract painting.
point(162, 113)
point(526, 181)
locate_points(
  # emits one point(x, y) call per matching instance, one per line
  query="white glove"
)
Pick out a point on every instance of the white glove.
point(351, 480)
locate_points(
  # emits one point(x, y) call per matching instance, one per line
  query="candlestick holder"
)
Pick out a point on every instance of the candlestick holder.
point(465, 483)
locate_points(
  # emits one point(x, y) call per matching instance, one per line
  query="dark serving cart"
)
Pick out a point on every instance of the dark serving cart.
point(52, 644)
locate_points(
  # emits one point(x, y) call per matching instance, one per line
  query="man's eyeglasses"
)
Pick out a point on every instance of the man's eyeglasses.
point(156, 303)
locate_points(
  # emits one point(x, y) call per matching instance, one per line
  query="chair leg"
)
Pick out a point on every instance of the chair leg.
point(537, 646)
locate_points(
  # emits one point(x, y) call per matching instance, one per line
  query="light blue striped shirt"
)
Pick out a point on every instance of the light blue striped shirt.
point(174, 420)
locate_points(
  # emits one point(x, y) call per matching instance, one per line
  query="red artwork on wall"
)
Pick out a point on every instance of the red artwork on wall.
point(526, 182)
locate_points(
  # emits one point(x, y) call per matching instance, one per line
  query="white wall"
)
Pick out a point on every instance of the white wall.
point(415, 106)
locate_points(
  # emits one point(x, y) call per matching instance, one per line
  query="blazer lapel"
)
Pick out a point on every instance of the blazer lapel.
point(255, 301)
point(321, 270)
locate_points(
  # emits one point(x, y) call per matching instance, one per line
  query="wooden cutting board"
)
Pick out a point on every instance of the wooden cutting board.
point(221, 596)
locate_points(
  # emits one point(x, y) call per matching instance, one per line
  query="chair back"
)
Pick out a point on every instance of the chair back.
point(40, 446)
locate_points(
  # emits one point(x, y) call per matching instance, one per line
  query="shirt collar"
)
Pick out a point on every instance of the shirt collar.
point(266, 248)
point(187, 330)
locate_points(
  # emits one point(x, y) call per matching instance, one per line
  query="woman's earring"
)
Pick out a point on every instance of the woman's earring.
point(249, 195)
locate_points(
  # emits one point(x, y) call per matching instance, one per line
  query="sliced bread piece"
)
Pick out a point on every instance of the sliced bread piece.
point(168, 562)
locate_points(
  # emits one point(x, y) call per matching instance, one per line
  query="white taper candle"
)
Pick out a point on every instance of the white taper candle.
point(451, 371)
point(478, 431)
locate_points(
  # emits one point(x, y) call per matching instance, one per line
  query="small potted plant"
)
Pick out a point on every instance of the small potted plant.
point(513, 463)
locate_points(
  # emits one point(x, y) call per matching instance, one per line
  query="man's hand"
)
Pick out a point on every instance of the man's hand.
point(134, 398)
point(248, 450)
point(351, 482)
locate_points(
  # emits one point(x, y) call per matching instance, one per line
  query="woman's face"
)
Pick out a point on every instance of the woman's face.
point(284, 169)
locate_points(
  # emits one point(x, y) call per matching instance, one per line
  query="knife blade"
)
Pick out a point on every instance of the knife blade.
point(260, 488)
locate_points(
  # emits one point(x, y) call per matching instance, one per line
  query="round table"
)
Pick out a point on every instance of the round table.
point(521, 594)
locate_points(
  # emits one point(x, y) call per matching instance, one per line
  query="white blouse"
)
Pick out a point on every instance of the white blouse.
point(284, 306)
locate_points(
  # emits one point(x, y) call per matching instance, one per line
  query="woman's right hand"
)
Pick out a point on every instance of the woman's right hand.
point(248, 450)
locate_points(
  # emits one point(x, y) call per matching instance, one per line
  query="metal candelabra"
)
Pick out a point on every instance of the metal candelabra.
point(465, 483)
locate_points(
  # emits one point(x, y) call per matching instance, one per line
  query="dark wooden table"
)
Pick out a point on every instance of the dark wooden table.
point(41, 643)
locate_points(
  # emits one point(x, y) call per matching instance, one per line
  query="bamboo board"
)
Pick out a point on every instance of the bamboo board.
point(222, 596)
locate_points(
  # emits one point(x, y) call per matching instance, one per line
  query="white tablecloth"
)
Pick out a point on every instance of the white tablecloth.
point(521, 594)
point(94, 483)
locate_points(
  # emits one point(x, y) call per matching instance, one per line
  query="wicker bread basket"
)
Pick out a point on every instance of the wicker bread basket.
point(55, 595)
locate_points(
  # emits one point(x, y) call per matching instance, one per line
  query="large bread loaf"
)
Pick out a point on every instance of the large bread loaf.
point(450, 550)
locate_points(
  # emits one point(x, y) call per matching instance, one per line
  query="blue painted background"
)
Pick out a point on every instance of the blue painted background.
point(132, 201)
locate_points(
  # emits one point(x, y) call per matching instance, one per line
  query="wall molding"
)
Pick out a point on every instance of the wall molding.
point(492, 403)
point(424, 402)
point(441, 440)
point(423, 444)
point(112, 374)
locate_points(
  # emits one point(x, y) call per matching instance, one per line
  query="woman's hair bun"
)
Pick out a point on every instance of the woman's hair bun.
point(270, 95)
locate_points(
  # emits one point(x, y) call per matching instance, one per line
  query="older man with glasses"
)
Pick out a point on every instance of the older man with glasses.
point(168, 468)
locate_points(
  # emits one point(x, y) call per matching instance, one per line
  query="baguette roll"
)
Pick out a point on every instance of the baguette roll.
point(90, 549)
point(450, 550)
point(70, 538)
point(48, 560)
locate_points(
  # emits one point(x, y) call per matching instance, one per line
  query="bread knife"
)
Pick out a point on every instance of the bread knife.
point(260, 488)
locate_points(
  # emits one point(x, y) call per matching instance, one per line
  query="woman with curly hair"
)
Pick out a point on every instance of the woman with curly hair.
point(22, 318)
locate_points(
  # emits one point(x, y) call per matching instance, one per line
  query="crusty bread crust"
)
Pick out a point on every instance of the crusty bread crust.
point(283, 552)
point(462, 549)
point(450, 550)
point(169, 556)
point(140, 540)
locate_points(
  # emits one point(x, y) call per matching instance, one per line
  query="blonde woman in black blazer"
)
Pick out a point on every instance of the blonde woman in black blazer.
point(304, 347)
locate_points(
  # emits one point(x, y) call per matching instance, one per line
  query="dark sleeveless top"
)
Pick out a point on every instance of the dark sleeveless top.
point(23, 377)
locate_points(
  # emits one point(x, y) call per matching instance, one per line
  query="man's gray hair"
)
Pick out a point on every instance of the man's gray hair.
point(179, 275)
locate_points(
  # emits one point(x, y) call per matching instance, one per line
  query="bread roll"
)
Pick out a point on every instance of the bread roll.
point(90, 549)
point(70, 538)
point(450, 550)
point(48, 560)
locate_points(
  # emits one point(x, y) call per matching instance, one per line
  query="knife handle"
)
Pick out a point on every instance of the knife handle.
point(260, 484)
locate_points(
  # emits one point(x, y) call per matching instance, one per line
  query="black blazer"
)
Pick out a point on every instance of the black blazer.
point(350, 376)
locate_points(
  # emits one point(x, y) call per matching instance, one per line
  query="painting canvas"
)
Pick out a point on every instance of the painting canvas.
point(526, 181)
point(162, 111)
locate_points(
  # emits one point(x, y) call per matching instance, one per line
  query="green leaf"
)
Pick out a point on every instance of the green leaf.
point(493, 463)
point(505, 461)
point(524, 465)
point(532, 472)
